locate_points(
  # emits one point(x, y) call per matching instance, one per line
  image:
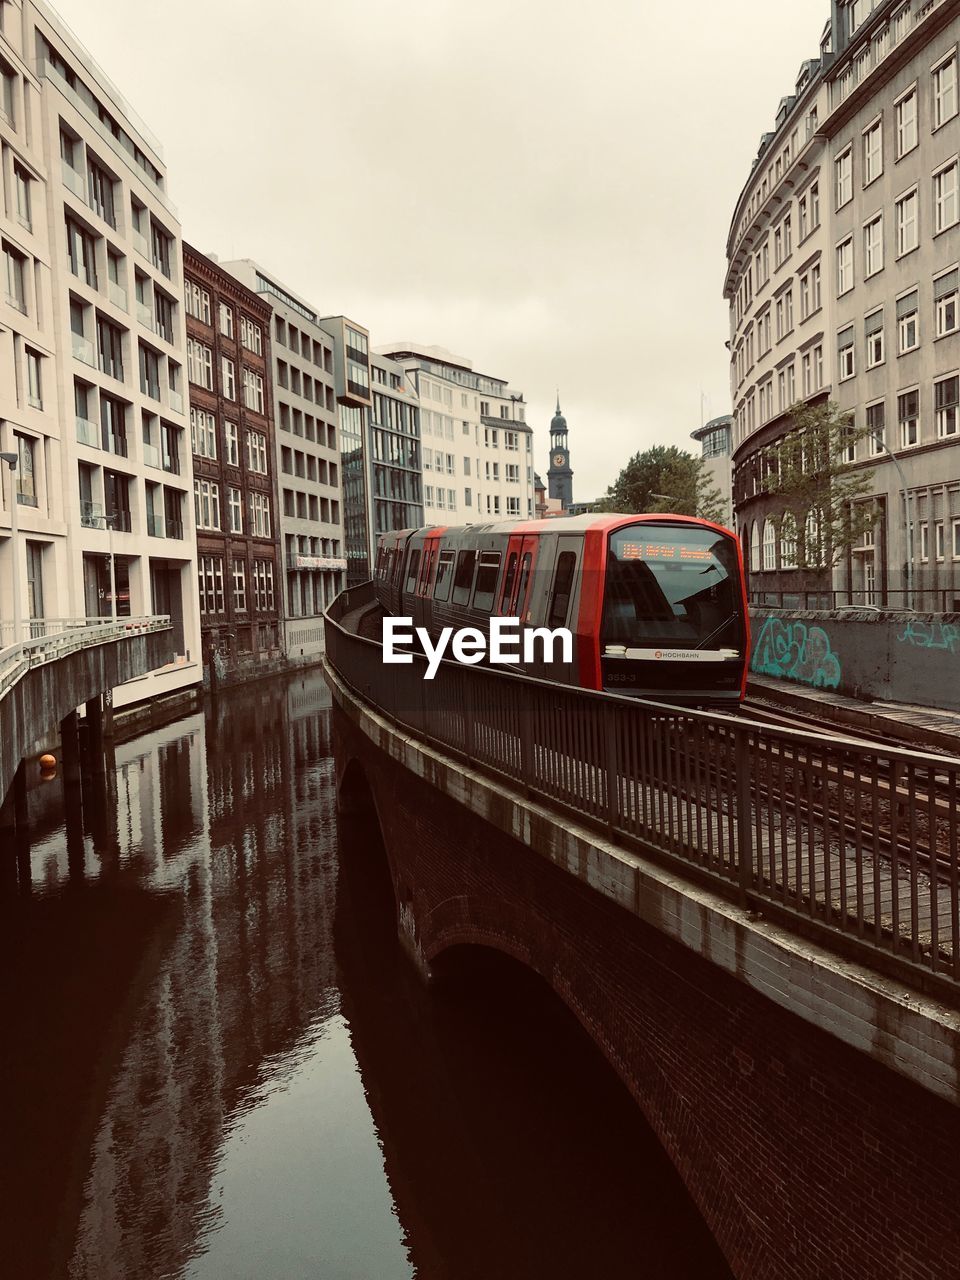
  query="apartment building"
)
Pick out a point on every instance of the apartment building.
point(94, 273)
point(477, 448)
point(714, 439)
point(234, 449)
point(306, 458)
point(863, 309)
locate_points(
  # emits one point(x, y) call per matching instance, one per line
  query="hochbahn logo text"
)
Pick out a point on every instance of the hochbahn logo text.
point(503, 645)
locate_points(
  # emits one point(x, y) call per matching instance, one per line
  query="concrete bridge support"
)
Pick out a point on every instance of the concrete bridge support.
point(809, 1106)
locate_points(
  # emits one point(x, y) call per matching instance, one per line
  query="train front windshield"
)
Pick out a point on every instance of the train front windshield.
point(672, 585)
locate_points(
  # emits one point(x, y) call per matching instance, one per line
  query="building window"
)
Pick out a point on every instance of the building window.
point(231, 438)
point(211, 584)
point(845, 266)
point(755, 548)
point(262, 586)
point(945, 208)
point(845, 353)
point(228, 379)
point(8, 80)
point(203, 433)
point(945, 91)
point(872, 152)
point(149, 371)
point(225, 315)
point(843, 177)
point(161, 247)
point(81, 253)
point(197, 301)
point(235, 510)
point(908, 229)
point(873, 246)
point(251, 335)
point(905, 116)
point(946, 394)
point(253, 390)
point(908, 413)
point(873, 332)
point(239, 586)
point(23, 199)
point(876, 427)
point(100, 189)
point(945, 302)
point(908, 323)
point(199, 364)
point(206, 497)
point(110, 348)
point(34, 379)
point(257, 452)
point(26, 470)
point(258, 508)
point(769, 545)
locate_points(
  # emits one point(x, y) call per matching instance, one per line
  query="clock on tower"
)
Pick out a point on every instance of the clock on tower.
point(559, 473)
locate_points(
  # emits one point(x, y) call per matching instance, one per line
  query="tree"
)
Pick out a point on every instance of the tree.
point(824, 500)
point(664, 478)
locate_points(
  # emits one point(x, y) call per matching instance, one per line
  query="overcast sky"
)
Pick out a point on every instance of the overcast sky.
point(544, 187)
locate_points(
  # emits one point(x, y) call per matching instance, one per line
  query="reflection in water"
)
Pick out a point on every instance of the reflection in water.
point(215, 1062)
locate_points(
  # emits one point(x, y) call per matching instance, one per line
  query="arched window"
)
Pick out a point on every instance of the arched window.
point(788, 541)
point(769, 545)
point(755, 548)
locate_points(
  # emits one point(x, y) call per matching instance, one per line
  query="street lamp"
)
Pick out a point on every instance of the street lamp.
point(109, 523)
point(882, 444)
point(12, 459)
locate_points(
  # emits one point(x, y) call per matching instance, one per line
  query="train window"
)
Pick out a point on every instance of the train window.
point(509, 578)
point(377, 571)
point(464, 576)
point(429, 556)
point(412, 569)
point(441, 588)
point(520, 598)
point(562, 582)
point(486, 586)
point(398, 566)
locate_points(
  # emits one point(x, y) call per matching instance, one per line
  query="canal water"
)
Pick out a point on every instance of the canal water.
point(216, 1064)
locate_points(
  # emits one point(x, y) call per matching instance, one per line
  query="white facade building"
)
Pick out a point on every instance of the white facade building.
point(477, 449)
point(92, 344)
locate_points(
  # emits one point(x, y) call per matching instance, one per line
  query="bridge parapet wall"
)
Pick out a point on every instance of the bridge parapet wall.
point(36, 703)
point(903, 657)
point(804, 1101)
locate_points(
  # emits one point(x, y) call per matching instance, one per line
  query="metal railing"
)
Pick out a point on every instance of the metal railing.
point(853, 843)
point(62, 636)
point(919, 600)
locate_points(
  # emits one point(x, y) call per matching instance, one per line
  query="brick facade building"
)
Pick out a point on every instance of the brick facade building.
point(232, 437)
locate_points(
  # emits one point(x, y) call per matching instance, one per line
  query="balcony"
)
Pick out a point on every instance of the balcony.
point(117, 444)
point(156, 525)
point(174, 527)
point(151, 455)
point(141, 244)
point(91, 513)
point(74, 181)
point(117, 295)
point(175, 400)
point(88, 432)
point(145, 315)
point(83, 349)
point(171, 463)
point(121, 521)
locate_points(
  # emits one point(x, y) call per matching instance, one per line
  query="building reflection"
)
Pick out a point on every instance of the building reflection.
point(232, 821)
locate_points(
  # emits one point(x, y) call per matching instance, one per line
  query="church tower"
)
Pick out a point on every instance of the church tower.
point(559, 474)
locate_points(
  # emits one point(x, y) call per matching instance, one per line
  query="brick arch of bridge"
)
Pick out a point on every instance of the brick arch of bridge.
point(800, 1152)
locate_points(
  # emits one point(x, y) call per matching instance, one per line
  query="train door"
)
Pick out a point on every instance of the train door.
point(523, 587)
point(558, 607)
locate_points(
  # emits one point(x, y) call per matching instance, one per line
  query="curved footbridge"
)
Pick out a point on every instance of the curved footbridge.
point(76, 662)
point(757, 926)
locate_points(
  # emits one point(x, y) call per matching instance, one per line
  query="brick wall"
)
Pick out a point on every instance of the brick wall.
point(805, 1157)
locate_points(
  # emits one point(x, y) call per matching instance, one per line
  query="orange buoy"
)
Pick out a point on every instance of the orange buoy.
point(48, 761)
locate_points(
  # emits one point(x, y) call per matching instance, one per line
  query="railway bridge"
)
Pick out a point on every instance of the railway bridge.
point(758, 927)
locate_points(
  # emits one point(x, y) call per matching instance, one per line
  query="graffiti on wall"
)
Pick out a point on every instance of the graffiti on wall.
point(931, 635)
point(796, 651)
